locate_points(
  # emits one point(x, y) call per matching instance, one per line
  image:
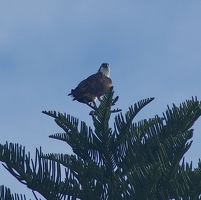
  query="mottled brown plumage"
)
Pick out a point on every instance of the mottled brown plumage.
point(93, 87)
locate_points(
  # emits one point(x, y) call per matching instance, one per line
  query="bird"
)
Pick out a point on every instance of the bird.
point(93, 87)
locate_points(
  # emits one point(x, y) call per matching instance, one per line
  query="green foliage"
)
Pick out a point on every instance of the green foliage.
point(6, 194)
point(132, 160)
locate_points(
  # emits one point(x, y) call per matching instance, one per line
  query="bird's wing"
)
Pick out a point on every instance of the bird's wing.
point(95, 84)
point(90, 84)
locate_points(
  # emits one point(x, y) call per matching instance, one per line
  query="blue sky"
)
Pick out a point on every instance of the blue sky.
point(48, 47)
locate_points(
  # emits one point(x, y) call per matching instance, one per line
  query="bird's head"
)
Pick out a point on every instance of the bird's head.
point(105, 69)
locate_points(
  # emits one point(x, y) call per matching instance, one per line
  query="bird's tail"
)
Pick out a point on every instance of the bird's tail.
point(76, 94)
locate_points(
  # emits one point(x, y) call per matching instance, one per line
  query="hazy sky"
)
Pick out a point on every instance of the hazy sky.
point(48, 47)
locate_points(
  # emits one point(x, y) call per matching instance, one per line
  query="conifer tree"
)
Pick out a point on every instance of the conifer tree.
point(131, 160)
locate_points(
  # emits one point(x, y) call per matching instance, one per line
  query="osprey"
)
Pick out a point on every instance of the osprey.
point(93, 87)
